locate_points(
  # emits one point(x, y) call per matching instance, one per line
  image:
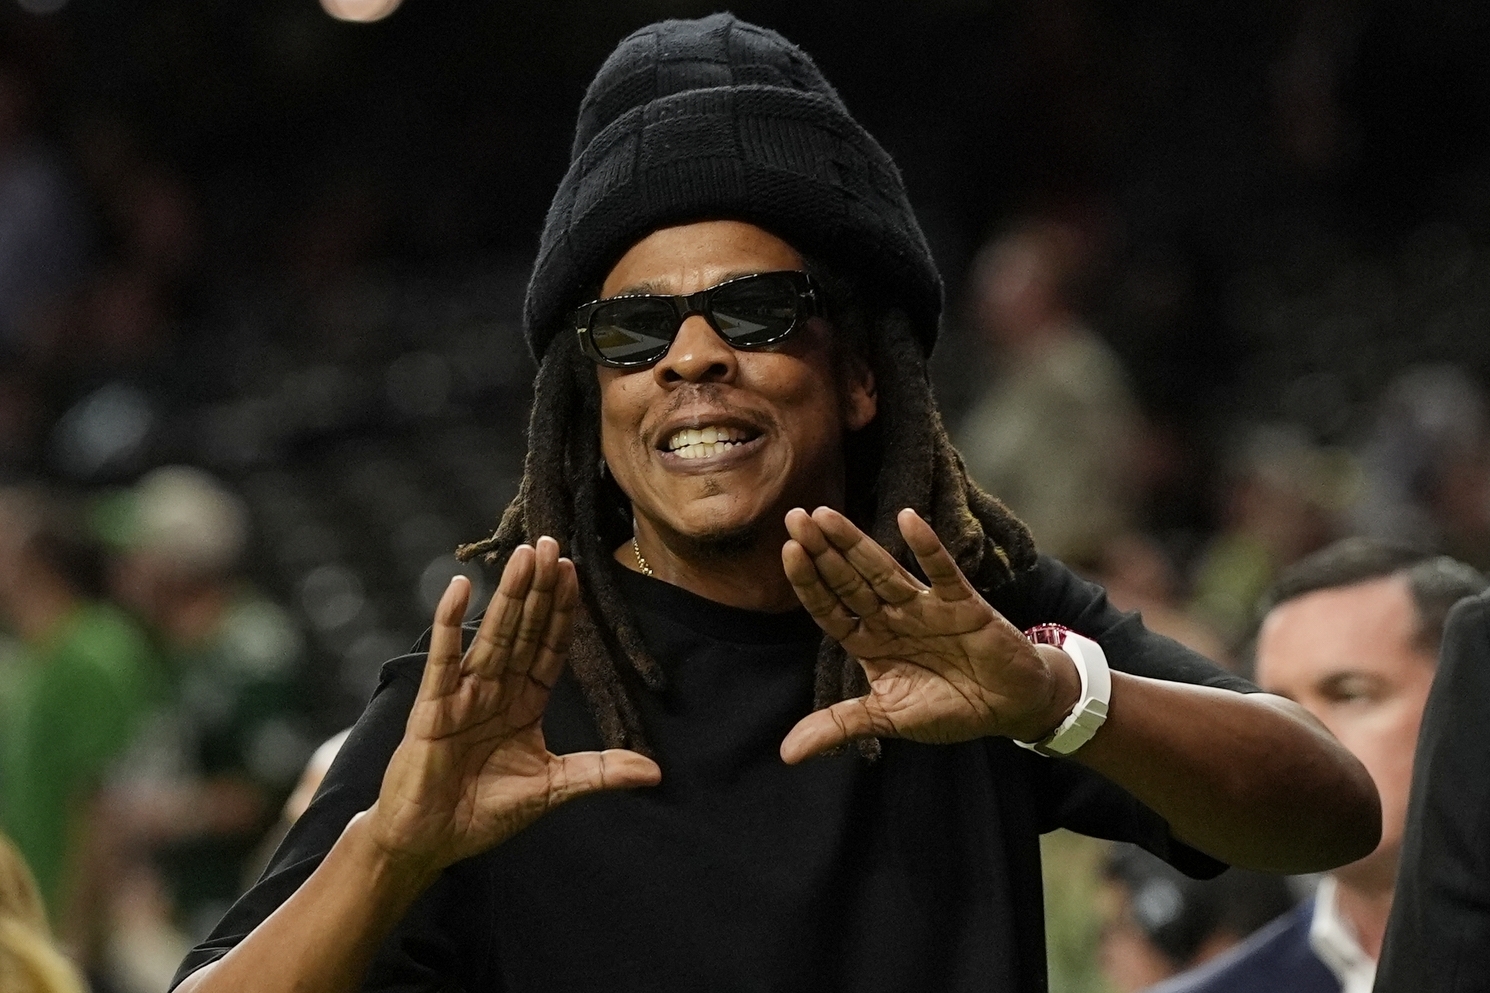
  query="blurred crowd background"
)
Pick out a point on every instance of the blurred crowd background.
point(1218, 287)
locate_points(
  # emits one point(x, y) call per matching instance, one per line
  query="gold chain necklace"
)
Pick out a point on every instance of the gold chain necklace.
point(641, 563)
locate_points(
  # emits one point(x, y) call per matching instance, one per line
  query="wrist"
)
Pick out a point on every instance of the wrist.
point(1065, 692)
point(396, 871)
point(1088, 712)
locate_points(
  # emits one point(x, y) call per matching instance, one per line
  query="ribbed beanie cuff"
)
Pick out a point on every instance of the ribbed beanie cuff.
point(716, 119)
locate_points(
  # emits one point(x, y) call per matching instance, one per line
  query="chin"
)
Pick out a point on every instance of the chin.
point(722, 541)
point(1375, 871)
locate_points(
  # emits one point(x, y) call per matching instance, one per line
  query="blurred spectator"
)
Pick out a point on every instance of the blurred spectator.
point(305, 791)
point(70, 703)
point(333, 258)
point(213, 768)
point(1138, 575)
point(122, 321)
point(1161, 922)
point(42, 230)
point(1427, 476)
point(1282, 497)
point(1071, 871)
point(1352, 634)
point(29, 962)
point(310, 779)
point(1054, 436)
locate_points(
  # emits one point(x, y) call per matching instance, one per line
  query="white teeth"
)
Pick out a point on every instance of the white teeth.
point(703, 449)
point(696, 443)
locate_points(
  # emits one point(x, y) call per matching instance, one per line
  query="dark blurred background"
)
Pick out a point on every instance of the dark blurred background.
point(281, 255)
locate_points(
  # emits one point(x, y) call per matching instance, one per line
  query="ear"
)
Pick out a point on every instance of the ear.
point(861, 401)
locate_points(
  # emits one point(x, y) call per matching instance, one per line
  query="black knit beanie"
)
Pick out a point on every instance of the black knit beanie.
point(717, 119)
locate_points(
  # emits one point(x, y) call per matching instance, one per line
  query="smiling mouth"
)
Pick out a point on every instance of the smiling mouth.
point(701, 443)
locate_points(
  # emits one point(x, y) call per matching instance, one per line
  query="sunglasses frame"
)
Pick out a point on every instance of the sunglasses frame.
point(809, 304)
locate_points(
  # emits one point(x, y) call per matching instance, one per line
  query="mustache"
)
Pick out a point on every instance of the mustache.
point(713, 395)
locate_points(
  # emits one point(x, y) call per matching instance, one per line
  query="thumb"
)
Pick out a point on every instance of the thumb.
point(579, 773)
point(824, 730)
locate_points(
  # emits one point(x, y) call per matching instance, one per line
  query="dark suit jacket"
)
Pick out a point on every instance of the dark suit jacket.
point(1276, 959)
point(1438, 937)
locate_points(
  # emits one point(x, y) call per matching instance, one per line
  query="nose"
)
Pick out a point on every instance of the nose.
point(696, 355)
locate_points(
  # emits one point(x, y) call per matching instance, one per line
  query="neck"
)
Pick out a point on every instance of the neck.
point(749, 577)
point(1365, 908)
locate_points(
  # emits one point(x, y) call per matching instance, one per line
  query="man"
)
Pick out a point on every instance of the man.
point(219, 753)
point(1439, 927)
point(1158, 923)
point(223, 755)
point(732, 308)
point(1352, 633)
point(1060, 391)
point(71, 702)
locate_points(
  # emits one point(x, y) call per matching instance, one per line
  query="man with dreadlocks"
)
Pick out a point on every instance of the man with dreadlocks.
point(732, 309)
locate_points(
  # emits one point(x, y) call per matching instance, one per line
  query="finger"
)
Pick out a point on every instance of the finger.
point(824, 730)
point(442, 667)
point(842, 579)
point(554, 647)
point(537, 606)
point(580, 773)
point(822, 603)
point(499, 627)
point(946, 579)
point(887, 577)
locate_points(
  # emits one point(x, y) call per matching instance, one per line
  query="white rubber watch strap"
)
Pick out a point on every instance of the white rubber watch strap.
point(1090, 712)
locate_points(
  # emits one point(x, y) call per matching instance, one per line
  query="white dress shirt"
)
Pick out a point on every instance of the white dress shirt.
point(1334, 941)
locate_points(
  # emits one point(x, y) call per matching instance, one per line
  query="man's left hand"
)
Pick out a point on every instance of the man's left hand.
point(943, 665)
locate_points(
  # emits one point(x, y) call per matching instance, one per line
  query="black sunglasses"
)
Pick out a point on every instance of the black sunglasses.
point(748, 312)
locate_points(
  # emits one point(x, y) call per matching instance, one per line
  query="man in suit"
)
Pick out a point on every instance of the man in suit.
point(1352, 633)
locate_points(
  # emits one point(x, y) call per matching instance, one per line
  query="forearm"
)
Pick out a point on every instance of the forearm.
point(323, 937)
point(1251, 779)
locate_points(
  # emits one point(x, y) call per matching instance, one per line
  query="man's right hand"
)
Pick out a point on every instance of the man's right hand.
point(473, 769)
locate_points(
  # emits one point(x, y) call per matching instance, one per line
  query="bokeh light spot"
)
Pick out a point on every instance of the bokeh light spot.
point(360, 11)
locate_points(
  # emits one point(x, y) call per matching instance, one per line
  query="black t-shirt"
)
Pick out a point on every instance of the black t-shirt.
point(738, 872)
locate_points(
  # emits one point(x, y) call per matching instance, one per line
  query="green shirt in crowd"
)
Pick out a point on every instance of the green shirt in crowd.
point(68, 708)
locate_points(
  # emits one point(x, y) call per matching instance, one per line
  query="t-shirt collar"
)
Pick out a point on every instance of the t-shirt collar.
point(746, 627)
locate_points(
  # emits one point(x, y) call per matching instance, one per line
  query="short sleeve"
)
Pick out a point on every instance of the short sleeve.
point(1051, 593)
point(1072, 796)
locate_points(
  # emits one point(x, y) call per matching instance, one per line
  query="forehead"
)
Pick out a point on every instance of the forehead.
point(691, 257)
point(1364, 627)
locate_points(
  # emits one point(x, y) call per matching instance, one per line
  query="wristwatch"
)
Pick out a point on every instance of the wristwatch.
point(1090, 711)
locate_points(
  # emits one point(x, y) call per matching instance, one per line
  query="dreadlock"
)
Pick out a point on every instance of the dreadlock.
point(902, 459)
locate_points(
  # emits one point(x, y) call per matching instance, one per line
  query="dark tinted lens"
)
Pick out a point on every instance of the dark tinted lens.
point(633, 330)
point(756, 309)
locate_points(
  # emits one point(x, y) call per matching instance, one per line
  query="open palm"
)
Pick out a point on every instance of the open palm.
point(473, 769)
point(943, 665)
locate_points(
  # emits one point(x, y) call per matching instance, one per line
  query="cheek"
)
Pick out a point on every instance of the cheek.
point(813, 395)
point(1384, 740)
point(620, 416)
